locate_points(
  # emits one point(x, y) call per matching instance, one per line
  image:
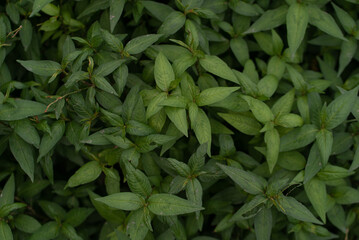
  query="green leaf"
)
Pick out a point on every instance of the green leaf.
point(103, 84)
point(27, 132)
point(317, 193)
point(298, 138)
point(136, 226)
point(52, 209)
point(158, 10)
point(202, 128)
point(324, 21)
point(38, 5)
point(108, 67)
point(259, 109)
point(26, 33)
point(24, 154)
point(49, 230)
point(8, 192)
point(5, 231)
point(339, 109)
point(248, 207)
point(284, 104)
point(243, 123)
point(69, 232)
point(140, 44)
point(179, 118)
point(348, 50)
point(44, 68)
point(163, 72)
point(213, 95)
point(116, 8)
point(325, 143)
point(164, 204)
point(173, 22)
point(85, 174)
point(291, 207)
point(269, 20)
point(289, 120)
point(345, 19)
point(138, 181)
point(20, 109)
point(263, 224)
point(7, 209)
point(125, 201)
point(272, 139)
point(49, 141)
point(77, 216)
point(345, 195)
point(240, 50)
point(297, 22)
point(26, 223)
point(218, 67)
point(250, 182)
point(244, 8)
point(181, 168)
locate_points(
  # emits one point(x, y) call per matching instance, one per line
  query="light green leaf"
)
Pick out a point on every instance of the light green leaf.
point(289, 120)
point(179, 118)
point(325, 143)
point(136, 226)
point(249, 181)
point(24, 154)
point(317, 193)
point(240, 50)
point(291, 207)
point(213, 95)
point(284, 104)
point(217, 66)
point(5, 231)
point(297, 21)
point(44, 68)
point(85, 174)
point(164, 204)
point(157, 9)
point(243, 123)
point(324, 21)
point(259, 109)
point(339, 109)
point(138, 181)
point(298, 138)
point(125, 201)
point(38, 5)
point(272, 139)
point(202, 128)
point(345, 19)
point(140, 44)
point(163, 72)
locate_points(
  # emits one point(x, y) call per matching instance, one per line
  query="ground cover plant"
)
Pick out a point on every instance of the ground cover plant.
point(181, 119)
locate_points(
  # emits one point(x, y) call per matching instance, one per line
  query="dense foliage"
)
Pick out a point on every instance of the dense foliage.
point(186, 119)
